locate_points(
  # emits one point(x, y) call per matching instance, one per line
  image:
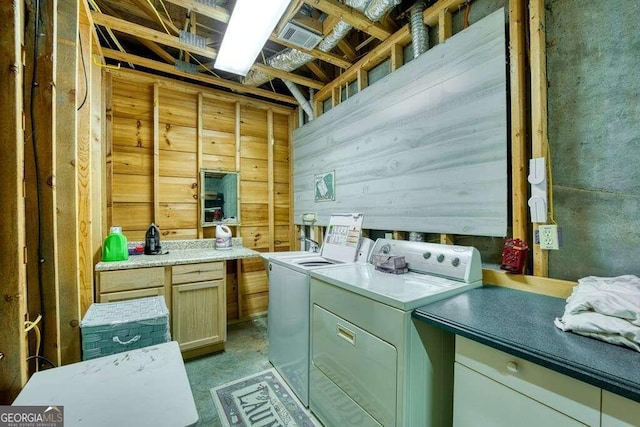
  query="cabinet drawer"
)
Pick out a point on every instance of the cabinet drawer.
point(126, 280)
point(481, 401)
point(188, 273)
point(127, 295)
point(577, 399)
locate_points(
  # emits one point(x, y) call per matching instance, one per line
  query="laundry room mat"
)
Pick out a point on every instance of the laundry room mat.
point(260, 399)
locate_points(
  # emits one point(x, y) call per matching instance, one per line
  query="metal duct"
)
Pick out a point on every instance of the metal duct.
point(306, 106)
point(377, 8)
point(420, 40)
point(292, 59)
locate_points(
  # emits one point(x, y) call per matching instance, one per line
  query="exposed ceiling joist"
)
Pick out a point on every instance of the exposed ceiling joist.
point(295, 78)
point(328, 57)
point(351, 17)
point(158, 50)
point(218, 13)
point(292, 9)
point(151, 13)
point(149, 34)
point(346, 48)
point(170, 69)
point(318, 71)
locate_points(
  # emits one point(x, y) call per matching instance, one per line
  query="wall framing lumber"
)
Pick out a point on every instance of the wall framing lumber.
point(42, 282)
point(170, 69)
point(13, 311)
point(539, 134)
point(270, 179)
point(66, 193)
point(107, 96)
point(98, 171)
point(397, 57)
point(519, 184)
point(199, 163)
point(156, 153)
point(539, 285)
point(444, 25)
point(239, 275)
point(84, 166)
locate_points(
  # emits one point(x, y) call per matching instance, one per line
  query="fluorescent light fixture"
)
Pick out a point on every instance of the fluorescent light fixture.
point(251, 23)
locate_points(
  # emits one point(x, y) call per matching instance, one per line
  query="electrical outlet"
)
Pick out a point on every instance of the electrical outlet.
point(548, 236)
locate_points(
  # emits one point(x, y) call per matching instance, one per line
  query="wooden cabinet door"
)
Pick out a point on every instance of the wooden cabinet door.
point(199, 314)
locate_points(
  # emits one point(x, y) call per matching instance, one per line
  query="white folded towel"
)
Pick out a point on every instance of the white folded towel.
point(606, 308)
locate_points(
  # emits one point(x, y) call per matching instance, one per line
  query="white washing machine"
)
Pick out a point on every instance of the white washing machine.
point(371, 363)
point(288, 312)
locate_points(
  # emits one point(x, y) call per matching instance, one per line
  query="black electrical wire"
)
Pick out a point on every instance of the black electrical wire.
point(44, 359)
point(84, 69)
point(34, 86)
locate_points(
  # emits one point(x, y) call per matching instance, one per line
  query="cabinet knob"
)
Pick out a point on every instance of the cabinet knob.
point(512, 367)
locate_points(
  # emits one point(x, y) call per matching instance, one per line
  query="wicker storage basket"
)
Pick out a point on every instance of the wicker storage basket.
point(114, 327)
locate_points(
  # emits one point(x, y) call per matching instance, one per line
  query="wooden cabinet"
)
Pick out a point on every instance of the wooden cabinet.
point(493, 388)
point(194, 293)
point(199, 307)
point(618, 411)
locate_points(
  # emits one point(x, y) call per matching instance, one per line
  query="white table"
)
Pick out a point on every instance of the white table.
point(143, 387)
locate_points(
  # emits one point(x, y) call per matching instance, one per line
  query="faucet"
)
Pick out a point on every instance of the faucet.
point(314, 246)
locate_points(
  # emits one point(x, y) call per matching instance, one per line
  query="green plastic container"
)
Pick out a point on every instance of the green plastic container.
point(115, 246)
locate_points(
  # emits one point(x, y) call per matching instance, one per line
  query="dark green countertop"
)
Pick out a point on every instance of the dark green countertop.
point(521, 323)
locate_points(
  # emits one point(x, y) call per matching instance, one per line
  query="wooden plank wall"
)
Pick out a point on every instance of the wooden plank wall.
point(13, 308)
point(424, 149)
point(161, 132)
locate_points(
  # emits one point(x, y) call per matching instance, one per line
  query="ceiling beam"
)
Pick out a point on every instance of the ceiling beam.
point(218, 13)
point(170, 69)
point(158, 50)
point(331, 58)
point(351, 16)
point(346, 48)
point(274, 72)
point(149, 34)
point(318, 71)
point(291, 11)
point(149, 11)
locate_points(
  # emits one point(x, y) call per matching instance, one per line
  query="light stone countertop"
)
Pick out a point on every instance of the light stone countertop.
point(181, 252)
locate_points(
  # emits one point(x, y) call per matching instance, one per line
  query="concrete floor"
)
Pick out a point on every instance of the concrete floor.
point(245, 354)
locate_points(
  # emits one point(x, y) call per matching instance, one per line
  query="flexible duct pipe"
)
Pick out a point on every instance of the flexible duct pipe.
point(306, 106)
point(420, 40)
point(292, 59)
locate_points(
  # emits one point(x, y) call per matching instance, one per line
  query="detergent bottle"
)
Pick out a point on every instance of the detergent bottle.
point(223, 237)
point(115, 246)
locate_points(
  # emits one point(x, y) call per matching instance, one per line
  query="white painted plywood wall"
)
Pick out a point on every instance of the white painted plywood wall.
point(424, 149)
